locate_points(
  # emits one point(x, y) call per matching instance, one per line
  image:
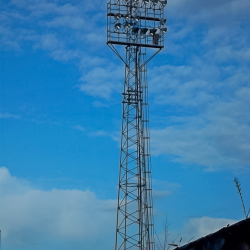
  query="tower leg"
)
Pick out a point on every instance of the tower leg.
point(134, 227)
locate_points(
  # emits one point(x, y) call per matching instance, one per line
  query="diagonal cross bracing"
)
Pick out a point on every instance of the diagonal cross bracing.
point(134, 228)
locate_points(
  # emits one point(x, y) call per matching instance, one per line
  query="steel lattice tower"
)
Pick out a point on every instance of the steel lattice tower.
point(139, 25)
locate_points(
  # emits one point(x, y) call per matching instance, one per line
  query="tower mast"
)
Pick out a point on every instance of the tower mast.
point(138, 25)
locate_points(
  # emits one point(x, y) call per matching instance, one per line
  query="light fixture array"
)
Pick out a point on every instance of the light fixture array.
point(137, 22)
point(163, 3)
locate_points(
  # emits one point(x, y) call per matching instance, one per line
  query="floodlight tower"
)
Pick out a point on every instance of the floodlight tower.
point(139, 26)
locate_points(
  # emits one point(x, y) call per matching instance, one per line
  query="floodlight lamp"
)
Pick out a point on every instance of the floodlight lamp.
point(136, 18)
point(163, 21)
point(152, 32)
point(127, 17)
point(164, 3)
point(144, 31)
point(127, 26)
point(135, 30)
point(164, 30)
point(118, 26)
point(155, 2)
point(145, 1)
point(136, 1)
point(117, 16)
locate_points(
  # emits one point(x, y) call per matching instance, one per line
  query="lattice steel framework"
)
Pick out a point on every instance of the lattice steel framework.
point(138, 25)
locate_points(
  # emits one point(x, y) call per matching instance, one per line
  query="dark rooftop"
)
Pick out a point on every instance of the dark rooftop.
point(234, 237)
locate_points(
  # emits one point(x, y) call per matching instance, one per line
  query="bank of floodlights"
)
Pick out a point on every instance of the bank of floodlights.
point(136, 22)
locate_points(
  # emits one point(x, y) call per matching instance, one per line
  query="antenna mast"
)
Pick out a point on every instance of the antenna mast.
point(139, 26)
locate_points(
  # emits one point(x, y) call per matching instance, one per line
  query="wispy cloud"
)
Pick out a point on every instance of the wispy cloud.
point(46, 20)
point(210, 126)
point(207, 80)
point(216, 146)
point(79, 127)
point(67, 32)
point(102, 81)
point(114, 135)
point(8, 115)
point(206, 90)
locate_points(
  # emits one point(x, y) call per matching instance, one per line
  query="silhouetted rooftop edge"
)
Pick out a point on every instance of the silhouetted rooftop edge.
point(236, 236)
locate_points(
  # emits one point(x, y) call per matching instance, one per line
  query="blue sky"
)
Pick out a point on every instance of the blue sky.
point(60, 118)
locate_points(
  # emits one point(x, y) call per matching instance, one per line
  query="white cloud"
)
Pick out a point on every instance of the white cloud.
point(49, 41)
point(65, 22)
point(215, 12)
point(79, 127)
point(114, 135)
point(224, 144)
point(197, 27)
point(213, 126)
point(102, 81)
point(34, 218)
point(30, 217)
point(72, 22)
point(65, 55)
point(184, 85)
point(8, 115)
